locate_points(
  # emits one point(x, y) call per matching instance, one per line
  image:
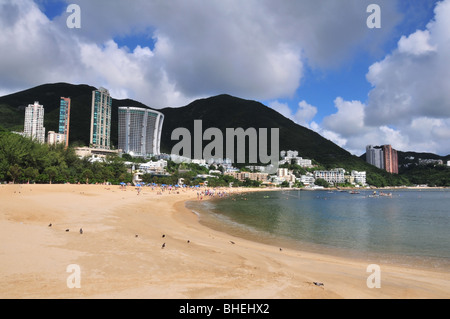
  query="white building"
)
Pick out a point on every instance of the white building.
point(34, 122)
point(284, 175)
point(375, 156)
point(448, 163)
point(334, 176)
point(157, 167)
point(140, 130)
point(201, 162)
point(293, 158)
point(359, 177)
point(54, 138)
point(307, 179)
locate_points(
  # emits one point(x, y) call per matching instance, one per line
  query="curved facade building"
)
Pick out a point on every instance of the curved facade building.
point(140, 131)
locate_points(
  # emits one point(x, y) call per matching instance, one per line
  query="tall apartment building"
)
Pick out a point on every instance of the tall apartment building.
point(101, 119)
point(374, 156)
point(140, 131)
point(34, 122)
point(385, 158)
point(64, 119)
point(390, 159)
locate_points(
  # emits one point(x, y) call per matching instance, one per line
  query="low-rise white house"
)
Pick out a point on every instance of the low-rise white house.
point(359, 177)
point(293, 158)
point(335, 176)
point(307, 179)
point(157, 167)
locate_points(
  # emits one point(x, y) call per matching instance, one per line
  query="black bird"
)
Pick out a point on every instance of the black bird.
point(163, 236)
point(163, 245)
point(50, 225)
point(318, 283)
point(81, 230)
point(67, 229)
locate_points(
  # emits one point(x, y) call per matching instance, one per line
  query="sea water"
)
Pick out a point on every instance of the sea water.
point(410, 227)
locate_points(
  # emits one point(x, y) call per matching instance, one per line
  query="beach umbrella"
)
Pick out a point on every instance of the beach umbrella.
point(138, 185)
point(122, 183)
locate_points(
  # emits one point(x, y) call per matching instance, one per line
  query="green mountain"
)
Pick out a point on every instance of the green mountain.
point(225, 111)
point(222, 111)
point(12, 109)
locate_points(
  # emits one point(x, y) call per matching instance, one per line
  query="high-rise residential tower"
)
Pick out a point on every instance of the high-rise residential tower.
point(140, 131)
point(384, 157)
point(64, 119)
point(101, 119)
point(374, 156)
point(34, 122)
point(390, 159)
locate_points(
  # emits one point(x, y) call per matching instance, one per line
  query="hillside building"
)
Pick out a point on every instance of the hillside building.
point(34, 122)
point(101, 119)
point(334, 176)
point(55, 138)
point(64, 119)
point(140, 131)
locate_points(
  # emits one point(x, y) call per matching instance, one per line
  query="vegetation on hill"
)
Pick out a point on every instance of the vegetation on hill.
point(222, 111)
point(23, 160)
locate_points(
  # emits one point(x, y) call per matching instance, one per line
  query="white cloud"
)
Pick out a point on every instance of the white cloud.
point(348, 120)
point(413, 81)
point(303, 114)
point(251, 49)
point(416, 44)
point(409, 105)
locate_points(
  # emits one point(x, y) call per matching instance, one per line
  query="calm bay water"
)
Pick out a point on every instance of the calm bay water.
point(412, 227)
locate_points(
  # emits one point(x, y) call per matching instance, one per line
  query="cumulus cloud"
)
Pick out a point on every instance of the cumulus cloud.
point(303, 115)
point(251, 49)
point(409, 104)
point(413, 81)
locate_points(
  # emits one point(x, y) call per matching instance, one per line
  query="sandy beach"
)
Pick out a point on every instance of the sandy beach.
point(150, 246)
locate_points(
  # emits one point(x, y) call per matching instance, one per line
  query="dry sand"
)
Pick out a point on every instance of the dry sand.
point(120, 253)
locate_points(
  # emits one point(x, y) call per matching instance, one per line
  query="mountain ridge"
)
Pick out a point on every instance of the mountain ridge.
point(220, 111)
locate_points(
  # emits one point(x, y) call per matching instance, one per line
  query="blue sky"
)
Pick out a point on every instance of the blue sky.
point(315, 62)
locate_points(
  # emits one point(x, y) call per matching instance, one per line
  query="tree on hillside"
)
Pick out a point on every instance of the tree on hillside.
point(87, 173)
point(30, 173)
point(14, 172)
point(51, 172)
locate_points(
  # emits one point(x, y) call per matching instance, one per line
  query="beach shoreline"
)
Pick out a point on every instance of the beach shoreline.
point(152, 246)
